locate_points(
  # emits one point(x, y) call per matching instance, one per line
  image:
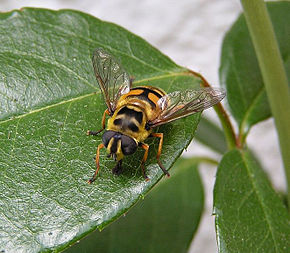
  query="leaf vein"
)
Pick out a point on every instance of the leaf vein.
point(99, 43)
point(49, 61)
point(250, 108)
point(255, 189)
point(91, 94)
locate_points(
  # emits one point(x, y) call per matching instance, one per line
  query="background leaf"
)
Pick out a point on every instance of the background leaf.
point(239, 70)
point(209, 134)
point(164, 222)
point(250, 216)
point(49, 98)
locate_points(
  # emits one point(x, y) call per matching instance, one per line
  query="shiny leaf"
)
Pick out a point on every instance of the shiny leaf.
point(163, 222)
point(49, 98)
point(250, 216)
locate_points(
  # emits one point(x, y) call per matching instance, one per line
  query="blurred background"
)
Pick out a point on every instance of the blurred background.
point(190, 32)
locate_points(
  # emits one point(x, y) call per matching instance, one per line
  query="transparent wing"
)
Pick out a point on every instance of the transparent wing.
point(113, 80)
point(179, 104)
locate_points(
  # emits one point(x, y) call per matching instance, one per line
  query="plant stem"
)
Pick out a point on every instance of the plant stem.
point(231, 139)
point(273, 72)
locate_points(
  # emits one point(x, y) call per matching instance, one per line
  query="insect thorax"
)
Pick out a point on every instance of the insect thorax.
point(134, 110)
point(130, 120)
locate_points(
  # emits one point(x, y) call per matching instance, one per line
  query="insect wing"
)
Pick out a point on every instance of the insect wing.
point(179, 104)
point(113, 80)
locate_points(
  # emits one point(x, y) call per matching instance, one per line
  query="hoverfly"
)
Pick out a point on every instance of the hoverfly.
point(135, 112)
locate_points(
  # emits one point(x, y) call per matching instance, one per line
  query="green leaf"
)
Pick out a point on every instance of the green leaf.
point(239, 70)
point(250, 216)
point(209, 134)
point(164, 222)
point(49, 98)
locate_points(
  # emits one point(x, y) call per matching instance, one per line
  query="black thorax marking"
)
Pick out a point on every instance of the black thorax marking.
point(131, 113)
point(126, 118)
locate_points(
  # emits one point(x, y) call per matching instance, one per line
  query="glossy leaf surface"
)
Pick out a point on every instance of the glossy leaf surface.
point(163, 222)
point(49, 98)
point(250, 216)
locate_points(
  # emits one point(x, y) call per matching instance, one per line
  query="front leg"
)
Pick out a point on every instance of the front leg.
point(106, 112)
point(97, 164)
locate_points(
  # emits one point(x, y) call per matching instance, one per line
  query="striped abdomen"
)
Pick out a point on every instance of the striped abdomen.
point(145, 97)
point(150, 95)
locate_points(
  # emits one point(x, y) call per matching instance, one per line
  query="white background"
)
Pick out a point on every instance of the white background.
point(190, 32)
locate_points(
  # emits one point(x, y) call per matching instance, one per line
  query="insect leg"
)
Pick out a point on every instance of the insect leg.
point(131, 80)
point(160, 135)
point(146, 148)
point(106, 112)
point(97, 163)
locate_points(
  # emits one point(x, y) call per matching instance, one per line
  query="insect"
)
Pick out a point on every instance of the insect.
point(135, 112)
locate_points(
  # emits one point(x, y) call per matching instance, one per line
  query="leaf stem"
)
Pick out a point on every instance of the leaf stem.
point(273, 73)
point(232, 141)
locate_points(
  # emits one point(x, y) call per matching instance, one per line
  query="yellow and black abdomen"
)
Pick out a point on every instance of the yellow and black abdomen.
point(145, 97)
point(134, 110)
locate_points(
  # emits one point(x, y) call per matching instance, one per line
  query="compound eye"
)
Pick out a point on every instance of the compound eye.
point(129, 146)
point(107, 136)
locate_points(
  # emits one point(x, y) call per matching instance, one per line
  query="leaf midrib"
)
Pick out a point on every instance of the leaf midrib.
point(97, 42)
point(88, 95)
point(253, 182)
point(248, 111)
point(49, 61)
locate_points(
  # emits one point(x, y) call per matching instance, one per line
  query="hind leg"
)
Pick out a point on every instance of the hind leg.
point(160, 135)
